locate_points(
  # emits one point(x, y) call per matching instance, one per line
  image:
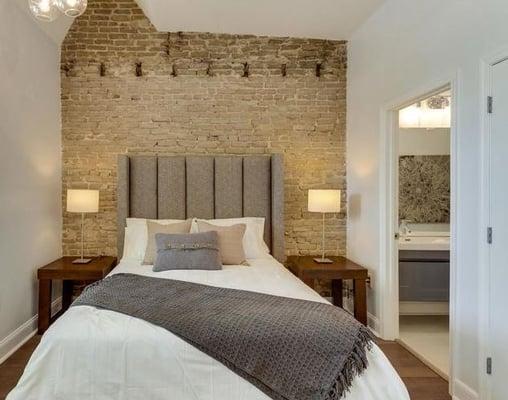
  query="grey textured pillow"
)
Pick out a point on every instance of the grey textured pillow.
point(153, 228)
point(188, 251)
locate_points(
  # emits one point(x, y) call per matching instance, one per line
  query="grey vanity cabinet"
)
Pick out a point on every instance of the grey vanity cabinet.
point(424, 275)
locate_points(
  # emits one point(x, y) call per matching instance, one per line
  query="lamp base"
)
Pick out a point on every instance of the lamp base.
point(81, 260)
point(320, 260)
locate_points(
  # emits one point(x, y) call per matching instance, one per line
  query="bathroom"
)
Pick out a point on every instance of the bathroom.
point(424, 229)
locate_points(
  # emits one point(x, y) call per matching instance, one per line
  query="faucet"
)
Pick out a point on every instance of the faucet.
point(404, 227)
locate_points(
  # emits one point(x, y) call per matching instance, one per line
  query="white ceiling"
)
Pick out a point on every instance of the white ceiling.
point(327, 19)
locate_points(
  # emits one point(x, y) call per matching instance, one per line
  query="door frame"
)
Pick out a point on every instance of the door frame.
point(388, 195)
point(486, 65)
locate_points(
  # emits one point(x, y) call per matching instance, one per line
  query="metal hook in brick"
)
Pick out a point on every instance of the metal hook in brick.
point(102, 69)
point(319, 67)
point(245, 70)
point(139, 69)
point(209, 69)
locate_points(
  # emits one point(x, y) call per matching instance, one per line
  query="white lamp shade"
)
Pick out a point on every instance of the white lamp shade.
point(82, 201)
point(324, 201)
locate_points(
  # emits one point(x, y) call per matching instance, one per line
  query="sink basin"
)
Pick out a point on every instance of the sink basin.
point(434, 243)
point(426, 237)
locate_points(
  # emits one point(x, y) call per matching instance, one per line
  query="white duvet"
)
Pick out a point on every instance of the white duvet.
point(91, 354)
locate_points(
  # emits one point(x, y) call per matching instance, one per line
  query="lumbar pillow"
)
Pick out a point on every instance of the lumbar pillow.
point(230, 241)
point(153, 228)
point(187, 251)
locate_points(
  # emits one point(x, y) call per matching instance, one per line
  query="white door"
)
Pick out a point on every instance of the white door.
point(499, 224)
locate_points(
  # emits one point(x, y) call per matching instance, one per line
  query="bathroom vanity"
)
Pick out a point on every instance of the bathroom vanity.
point(424, 265)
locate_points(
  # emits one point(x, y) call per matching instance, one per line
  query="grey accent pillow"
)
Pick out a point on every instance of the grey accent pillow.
point(153, 228)
point(187, 251)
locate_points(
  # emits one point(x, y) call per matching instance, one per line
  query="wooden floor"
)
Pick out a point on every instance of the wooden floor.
point(422, 383)
point(12, 368)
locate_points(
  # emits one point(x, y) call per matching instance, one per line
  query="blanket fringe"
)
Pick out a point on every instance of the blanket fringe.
point(354, 365)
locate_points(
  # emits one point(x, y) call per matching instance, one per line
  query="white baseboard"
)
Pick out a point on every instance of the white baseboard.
point(22, 334)
point(373, 324)
point(463, 392)
point(423, 308)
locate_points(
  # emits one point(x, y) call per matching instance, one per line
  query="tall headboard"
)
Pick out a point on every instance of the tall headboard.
point(180, 187)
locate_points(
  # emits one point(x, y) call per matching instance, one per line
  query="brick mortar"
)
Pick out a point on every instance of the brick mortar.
point(208, 108)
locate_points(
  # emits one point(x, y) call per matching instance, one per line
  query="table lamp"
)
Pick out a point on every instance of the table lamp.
point(324, 201)
point(82, 201)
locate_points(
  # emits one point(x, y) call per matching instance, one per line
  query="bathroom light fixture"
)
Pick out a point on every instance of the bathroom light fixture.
point(44, 10)
point(324, 201)
point(432, 113)
point(72, 8)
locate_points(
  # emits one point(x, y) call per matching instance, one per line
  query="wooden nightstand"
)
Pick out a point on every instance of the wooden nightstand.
point(305, 268)
point(63, 269)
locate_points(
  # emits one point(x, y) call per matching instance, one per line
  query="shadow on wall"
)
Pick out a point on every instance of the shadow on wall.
point(355, 206)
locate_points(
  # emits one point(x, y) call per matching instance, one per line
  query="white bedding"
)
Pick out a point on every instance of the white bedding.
point(91, 354)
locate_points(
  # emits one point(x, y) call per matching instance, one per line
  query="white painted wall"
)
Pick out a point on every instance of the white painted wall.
point(424, 142)
point(30, 166)
point(403, 46)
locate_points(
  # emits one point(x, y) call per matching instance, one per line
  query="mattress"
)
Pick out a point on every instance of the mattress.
point(92, 354)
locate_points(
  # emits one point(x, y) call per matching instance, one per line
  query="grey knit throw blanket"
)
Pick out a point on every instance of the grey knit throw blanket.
point(290, 349)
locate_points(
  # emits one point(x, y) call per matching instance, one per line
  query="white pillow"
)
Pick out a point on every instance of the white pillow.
point(136, 236)
point(253, 241)
point(131, 244)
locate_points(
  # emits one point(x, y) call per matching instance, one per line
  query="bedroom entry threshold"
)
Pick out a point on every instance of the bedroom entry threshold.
point(427, 338)
point(424, 360)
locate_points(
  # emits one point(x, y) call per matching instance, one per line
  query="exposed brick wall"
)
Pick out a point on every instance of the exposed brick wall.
point(208, 107)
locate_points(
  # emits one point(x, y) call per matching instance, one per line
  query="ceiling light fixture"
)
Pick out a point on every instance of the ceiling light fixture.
point(49, 10)
point(72, 8)
point(44, 10)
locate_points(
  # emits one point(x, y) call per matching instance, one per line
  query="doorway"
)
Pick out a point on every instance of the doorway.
point(423, 228)
point(422, 310)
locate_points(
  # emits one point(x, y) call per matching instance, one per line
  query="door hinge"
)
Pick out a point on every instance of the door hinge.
point(490, 104)
point(489, 365)
point(489, 235)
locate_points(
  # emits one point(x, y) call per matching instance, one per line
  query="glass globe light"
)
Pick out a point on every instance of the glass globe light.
point(72, 8)
point(44, 10)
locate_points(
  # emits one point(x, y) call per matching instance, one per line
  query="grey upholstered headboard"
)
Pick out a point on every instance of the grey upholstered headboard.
point(180, 187)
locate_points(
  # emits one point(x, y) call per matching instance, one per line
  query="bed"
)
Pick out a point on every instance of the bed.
point(91, 353)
